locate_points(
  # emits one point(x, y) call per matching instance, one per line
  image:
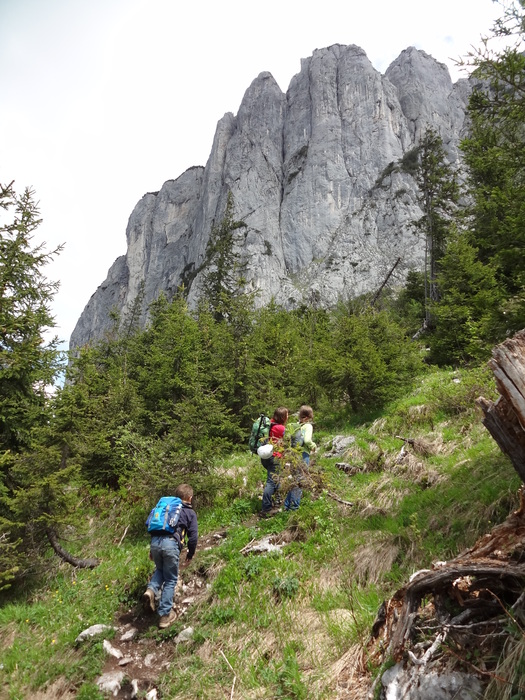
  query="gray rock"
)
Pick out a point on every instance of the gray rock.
point(340, 444)
point(93, 631)
point(185, 635)
point(129, 635)
point(417, 683)
point(111, 682)
point(111, 650)
point(315, 176)
point(125, 661)
point(148, 660)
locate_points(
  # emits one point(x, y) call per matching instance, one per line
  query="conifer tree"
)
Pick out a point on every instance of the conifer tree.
point(29, 364)
point(495, 155)
point(466, 314)
point(28, 361)
point(226, 297)
point(223, 278)
point(438, 196)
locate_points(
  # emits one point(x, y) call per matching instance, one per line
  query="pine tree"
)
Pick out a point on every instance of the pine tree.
point(495, 153)
point(223, 278)
point(28, 362)
point(466, 314)
point(438, 196)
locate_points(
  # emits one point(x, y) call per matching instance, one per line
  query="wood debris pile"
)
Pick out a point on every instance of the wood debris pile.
point(468, 614)
point(470, 602)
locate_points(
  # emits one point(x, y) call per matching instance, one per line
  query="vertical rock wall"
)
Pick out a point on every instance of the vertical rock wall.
point(315, 176)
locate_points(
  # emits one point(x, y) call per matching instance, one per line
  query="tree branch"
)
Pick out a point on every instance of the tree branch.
point(66, 556)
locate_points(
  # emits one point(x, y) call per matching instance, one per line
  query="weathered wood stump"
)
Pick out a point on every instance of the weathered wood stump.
point(505, 418)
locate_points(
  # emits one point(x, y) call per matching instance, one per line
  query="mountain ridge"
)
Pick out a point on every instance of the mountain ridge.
point(311, 174)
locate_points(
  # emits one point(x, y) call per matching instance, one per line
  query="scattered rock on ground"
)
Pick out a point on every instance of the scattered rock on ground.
point(93, 631)
point(340, 444)
point(262, 546)
point(129, 635)
point(408, 684)
point(185, 635)
point(111, 682)
point(111, 650)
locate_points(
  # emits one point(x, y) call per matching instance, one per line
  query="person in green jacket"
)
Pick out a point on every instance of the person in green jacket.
point(303, 439)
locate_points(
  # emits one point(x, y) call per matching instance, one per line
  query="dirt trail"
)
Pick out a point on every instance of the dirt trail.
point(144, 651)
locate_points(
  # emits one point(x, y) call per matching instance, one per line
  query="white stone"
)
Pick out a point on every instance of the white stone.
point(93, 631)
point(185, 635)
point(111, 650)
point(417, 683)
point(149, 659)
point(111, 682)
point(125, 660)
point(129, 635)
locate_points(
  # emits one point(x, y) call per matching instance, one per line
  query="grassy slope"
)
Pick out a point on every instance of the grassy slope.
point(287, 624)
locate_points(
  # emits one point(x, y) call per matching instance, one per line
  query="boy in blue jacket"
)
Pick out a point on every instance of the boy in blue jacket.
point(165, 551)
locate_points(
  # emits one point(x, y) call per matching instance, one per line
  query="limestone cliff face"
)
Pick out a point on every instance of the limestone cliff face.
point(312, 175)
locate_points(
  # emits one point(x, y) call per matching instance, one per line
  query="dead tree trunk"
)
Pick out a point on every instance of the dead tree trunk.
point(505, 418)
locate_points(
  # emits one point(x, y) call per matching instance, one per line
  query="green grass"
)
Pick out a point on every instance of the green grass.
point(280, 620)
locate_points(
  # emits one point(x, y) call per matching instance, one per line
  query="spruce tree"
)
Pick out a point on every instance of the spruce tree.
point(438, 197)
point(466, 314)
point(29, 362)
point(223, 278)
point(495, 155)
point(29, 365)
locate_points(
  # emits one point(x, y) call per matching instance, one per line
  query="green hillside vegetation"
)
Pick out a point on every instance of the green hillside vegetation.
point(285, 621)
point(144, 409)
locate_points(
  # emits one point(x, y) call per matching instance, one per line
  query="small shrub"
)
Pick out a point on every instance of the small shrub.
point(285, 587)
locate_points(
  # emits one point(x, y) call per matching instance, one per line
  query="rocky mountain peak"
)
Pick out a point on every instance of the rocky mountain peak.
point(311, 175)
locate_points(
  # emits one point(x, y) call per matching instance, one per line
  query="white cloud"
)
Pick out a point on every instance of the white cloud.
point(102, 101)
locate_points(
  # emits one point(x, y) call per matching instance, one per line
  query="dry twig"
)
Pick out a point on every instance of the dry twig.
point(124, 535)
point(231, 669)
point(339, 500)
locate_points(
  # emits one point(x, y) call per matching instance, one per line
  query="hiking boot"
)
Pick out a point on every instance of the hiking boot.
point(167, 620)
point(148, 600)
point(269, 513)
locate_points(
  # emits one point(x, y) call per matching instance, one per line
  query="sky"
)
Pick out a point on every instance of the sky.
point(102, 101)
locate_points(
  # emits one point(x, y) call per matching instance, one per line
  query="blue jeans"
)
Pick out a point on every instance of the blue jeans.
point(270, 488)
point(165, 552)
point(272, 466)
point(293, 497)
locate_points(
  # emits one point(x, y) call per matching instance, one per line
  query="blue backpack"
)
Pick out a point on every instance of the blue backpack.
point(165, 516)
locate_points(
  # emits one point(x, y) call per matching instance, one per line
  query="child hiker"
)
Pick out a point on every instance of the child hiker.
point(165, 551)
point(272, 464)
point(303, 439)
